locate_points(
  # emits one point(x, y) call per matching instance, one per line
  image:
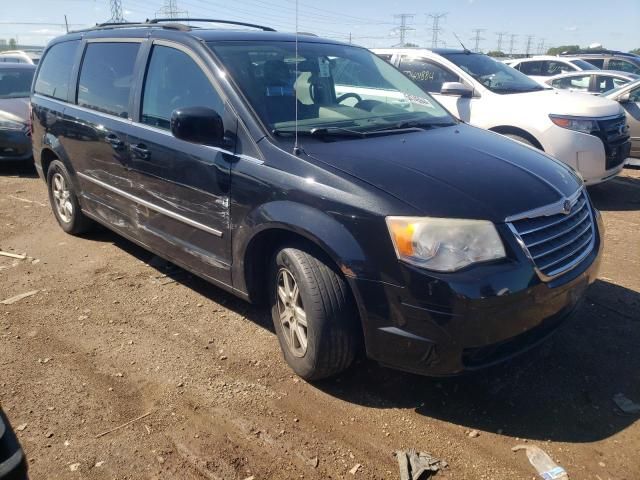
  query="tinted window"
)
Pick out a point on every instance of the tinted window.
point(580, 83)
point(15, 82)
point(605, 83)
point(596, 62)
point(427, 74)
point(583, 65)
point(106, 77)
point(634, 95)
point(173, 81)
point(531, 68)
point(553, 67)
point(55, 72)
point(623, 66)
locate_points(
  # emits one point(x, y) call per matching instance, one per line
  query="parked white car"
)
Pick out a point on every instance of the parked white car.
point(541, 67)
point(587, 132)
point(593, 82)
point(20, 56)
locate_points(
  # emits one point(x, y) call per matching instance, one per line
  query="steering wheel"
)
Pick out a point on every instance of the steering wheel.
point(342, 98)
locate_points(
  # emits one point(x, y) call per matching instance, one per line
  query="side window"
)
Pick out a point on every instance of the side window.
point(106, 77)
point(596, 62)
point(623, 66)
point(634, 95)
point(347, 72)
point(385, 56)
point(427, 74)
point(605, 83)
point(556, 68)
point(532, 68)
point(580, 83)
point(174, 80)
point(55, 72)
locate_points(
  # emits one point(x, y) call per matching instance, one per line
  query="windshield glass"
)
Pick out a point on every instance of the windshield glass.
point(336, 86)
point(15, 82)
point(492, 74)
point(584, 65)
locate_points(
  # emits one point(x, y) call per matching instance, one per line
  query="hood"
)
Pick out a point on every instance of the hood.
point(561, 102)
point(458, 172)
point(16, 109)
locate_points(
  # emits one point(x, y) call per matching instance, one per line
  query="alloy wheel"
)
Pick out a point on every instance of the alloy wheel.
point(62, 198)
point(291, 312)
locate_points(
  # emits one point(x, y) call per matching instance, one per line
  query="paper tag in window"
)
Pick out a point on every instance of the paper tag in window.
point(419, 100)
point(323, 65)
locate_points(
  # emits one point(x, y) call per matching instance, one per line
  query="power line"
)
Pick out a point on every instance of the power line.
point(500, 37)
point(477, 38)
point(404, 26)
point(116, 11)
point(541, 46)
point(170, 10)
point(529, 43)
point(512, 43)
point(435, 27)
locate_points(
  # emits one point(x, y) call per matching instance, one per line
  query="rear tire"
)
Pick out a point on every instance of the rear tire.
point(313, 313)
point(64, 201)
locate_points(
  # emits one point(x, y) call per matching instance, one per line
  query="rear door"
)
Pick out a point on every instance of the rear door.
point(97, 128)
point(182, 187)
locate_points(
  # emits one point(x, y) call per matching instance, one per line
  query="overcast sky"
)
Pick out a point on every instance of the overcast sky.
point(613, 23)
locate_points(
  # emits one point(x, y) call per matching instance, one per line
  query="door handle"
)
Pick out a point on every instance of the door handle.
point(114, 141)
point(140, 150)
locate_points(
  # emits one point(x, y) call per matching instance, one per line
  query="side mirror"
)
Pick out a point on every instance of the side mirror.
point(624, 98)
point(198, 125)
point(456, 89)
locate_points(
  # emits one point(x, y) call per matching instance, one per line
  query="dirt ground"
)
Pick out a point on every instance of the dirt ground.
point(113, 334)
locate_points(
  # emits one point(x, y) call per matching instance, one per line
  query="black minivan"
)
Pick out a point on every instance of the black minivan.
point(315, 177)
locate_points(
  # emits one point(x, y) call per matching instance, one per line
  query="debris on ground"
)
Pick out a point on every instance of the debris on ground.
point(416, 465)
point(12, 255)
point(625, 404)
point(473, 434)
point(355, 469)
point(546, 467)
point(17, 298)
point(123, 425)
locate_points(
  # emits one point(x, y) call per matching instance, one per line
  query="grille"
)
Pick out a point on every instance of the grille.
point(614, 136)
point(558, 242)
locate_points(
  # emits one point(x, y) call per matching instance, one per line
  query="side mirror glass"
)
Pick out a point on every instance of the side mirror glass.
point(198, 125)
point(624, 98)
point(456, 89)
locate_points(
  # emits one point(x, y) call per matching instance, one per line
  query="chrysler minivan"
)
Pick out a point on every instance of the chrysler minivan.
point(315, 177)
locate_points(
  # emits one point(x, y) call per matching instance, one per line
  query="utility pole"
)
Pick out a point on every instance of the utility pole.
point(477, 38)
point(541, 47)
point(404, 26)
point(529, 43)
point(435, 27)
point(512, 43)
point(116, 11)
point(500, 36)
point(170, 10)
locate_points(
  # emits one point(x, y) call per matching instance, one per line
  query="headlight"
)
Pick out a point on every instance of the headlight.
point(444, 244)
point(6, 124)
point(584, 125)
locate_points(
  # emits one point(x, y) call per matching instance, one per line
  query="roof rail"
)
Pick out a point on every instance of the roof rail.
point(211, 20)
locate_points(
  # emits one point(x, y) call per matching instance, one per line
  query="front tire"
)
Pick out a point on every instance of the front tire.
point(64, 201)
point(313, 313)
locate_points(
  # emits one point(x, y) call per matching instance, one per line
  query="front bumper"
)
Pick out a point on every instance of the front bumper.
point(447, 324)
point(12, 461)
point(15, 145)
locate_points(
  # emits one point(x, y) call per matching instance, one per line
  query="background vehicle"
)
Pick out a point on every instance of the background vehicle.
point(591, 82)
point(316, 177)
point(13, 465)
point(20, 56)
point(583, 132)
point(610, 60)
point(541, 67)
point(629, 98)
point(15, 86)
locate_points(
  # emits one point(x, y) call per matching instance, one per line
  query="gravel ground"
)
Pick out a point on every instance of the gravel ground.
point(113, 334)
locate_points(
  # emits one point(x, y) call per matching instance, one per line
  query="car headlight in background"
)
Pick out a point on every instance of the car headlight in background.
point(6, 124)
point(584, 125)
point(444, 244)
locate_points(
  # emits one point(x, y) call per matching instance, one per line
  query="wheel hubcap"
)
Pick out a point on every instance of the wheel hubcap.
point(62, 198)
point(291, 311)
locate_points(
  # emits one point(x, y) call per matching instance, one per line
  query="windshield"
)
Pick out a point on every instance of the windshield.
point(15, 82)
point(584, 65)
point(492, 74)
point(337, 88)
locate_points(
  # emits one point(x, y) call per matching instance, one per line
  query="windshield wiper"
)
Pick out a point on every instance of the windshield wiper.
point(321, 132)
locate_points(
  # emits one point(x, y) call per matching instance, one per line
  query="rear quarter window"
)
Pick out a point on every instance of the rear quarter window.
point(54, 75)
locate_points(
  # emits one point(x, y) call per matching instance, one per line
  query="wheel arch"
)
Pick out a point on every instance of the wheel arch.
point(506, 129)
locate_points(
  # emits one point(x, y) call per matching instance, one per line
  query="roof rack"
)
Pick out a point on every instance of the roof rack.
point(170, 24)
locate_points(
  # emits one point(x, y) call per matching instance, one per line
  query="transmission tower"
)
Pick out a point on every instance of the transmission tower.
point(477, 38)
point(500, 36)
point(116, 11)
point(541, 46)
point(512, 43)
point(529, 44)
point(435, 27)
point(404, 26)
point(170, 10)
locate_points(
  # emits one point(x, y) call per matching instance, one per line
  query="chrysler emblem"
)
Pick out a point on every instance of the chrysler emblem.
point(566, 207)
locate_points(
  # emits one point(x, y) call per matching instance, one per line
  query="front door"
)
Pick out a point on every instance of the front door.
point(632, 108)
point(182, 187)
